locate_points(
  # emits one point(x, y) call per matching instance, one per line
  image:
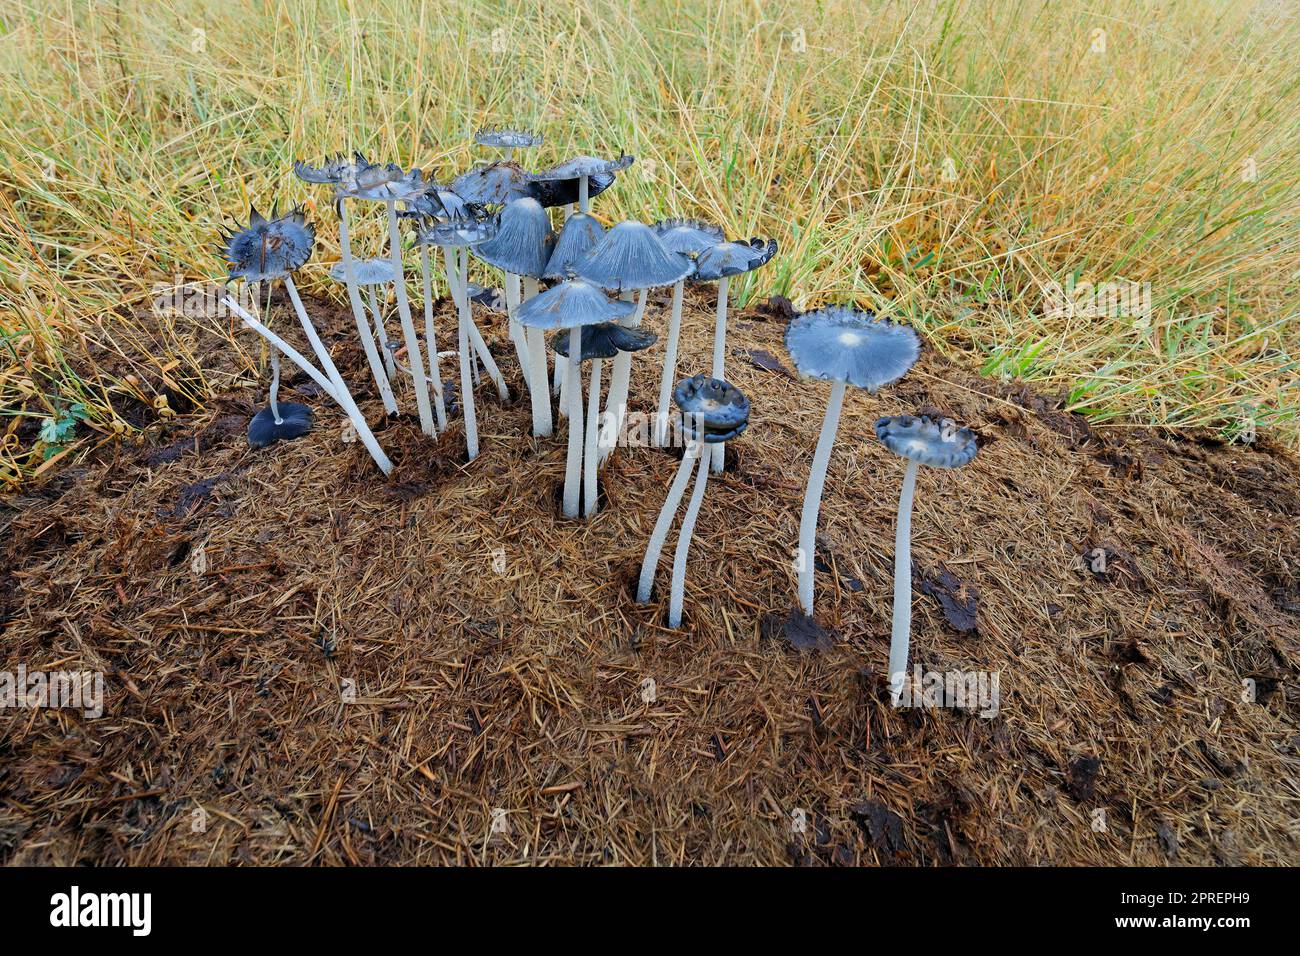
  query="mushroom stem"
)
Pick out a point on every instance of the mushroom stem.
point(381, 334)
point(562, 381)
point(572, 465)
point(660, 533)
point(517, 331)
point(463, 322)
point(902, 626)
point(414, 357)
point(539, 389)
point(621, 378)
point(812, 498)
point(476, 337)
point(589, 445)
point(274, 395)
point(431, 341)
point(678, 586)
point(344, 399)
point(359, 315)
point(670, 365)
point(584, 199)
point(720, 357)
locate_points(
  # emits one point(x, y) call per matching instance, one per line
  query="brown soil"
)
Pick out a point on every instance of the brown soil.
point(498, 658)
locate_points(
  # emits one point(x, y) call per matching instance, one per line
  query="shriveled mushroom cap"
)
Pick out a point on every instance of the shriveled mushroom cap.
point(688, 236)
point(604, 340)
point(714, 410)
point(367, 271)
point(732, 258)
point(562, 192)
point(358, 178)
point(439, 202)
point(496, 184)
point(575, 302)
point(458, 232)
point(843, 344)
point(939, 444)
point(631, 257)
point(263, 429)
point(580, 234)
point(505, 137)
point(579, 166)
point(268, 248)
point(523, 241)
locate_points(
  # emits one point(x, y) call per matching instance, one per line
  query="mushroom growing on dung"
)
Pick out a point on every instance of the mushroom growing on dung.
point(712, 411)
point(846, 347)
point(922, 441)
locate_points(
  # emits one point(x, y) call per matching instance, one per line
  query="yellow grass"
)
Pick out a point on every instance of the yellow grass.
point(945, 161)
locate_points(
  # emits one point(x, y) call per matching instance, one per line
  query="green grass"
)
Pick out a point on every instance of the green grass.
point(945, 161)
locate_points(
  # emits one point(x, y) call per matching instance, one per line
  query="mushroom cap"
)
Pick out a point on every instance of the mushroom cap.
point(575, 302)
point(491, 299)
point(263, 430)
point(579, 235)
point(939, 444)
point(358, 178)
point(562, 192)
point(523, 241)
point(458, 232)
point(843, 344)
point(732, 258)
point(580, 166)
point(631, 257)
point(494, 184)
point(713, 410)
point(688, 236)
point(604, 340)
point(439, 202)
point(506, 137)
point(377, 271)
point(268, 248)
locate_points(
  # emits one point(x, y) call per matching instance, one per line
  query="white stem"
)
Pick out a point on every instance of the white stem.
point(670, 366)
point(572, 464)
point(558, 380)
point(564, 388)
point(621, 378)
point(665, 520)
point(431, 340)
point(589, 445)
point(414, 356)
point(476, 337)
point(313, 339)
point(902, 627)
point(584, 200)
point(678, 587)
point(463, 322)
point(541, 397)
point(720, 358)
point(812, 498)
point(381, 333)
point(359, 315)
point(531, 288)
point(275, 386)
point(517, 331)
point(344, 399)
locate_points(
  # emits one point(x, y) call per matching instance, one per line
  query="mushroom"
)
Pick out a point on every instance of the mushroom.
point(599, 342)
point(922, 441)
point(278, 422)
point(719, 263)
point(571, 305)
point(494, 184)
point(369, 273)
point(585, 172)
point(846, 347)
point(580, 233)
point(522, 247)
point(630, 258)
point(712, 411)
point(275, 248)
point(507, 138)
point(689, 237)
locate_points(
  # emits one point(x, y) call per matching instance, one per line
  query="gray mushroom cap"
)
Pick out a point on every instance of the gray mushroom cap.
point(268, 248)
point(458, 232)
point(263, 430)
point(358, 178)
point(580, 166)
point(688, 236)
point(939, 444)
point(523, 241)
point(713, 410)
point(367, 271)
point(732, 258)
point(497, 183)
point(439, 202)
point(604, 340)
point(562, 192)
point(844, 344)
point(572, 303)
point(631, 257)
point(580, 234)
point(505, 137)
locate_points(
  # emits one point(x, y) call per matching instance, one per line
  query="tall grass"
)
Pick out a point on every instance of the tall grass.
point(944, 160)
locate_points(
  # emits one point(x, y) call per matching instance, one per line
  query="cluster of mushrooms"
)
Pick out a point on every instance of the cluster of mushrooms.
point(558, 278)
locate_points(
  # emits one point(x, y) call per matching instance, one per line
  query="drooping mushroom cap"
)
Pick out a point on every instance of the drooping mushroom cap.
point(579, 166)
point(843, 344)
point(579, 236)
point(263, 429)
point(571, 303)
point(562, 192)
point(494, 184)
point(713, 410)
point(268, 248)
point(939, 444)
point(458, 232)
point(523, 241)
point(505, 137)
point(439, 202)
point(604, 340)
point(366, 271)
point(631, 257)
point(358, 178)
point(688, 236)
point(732, 258)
